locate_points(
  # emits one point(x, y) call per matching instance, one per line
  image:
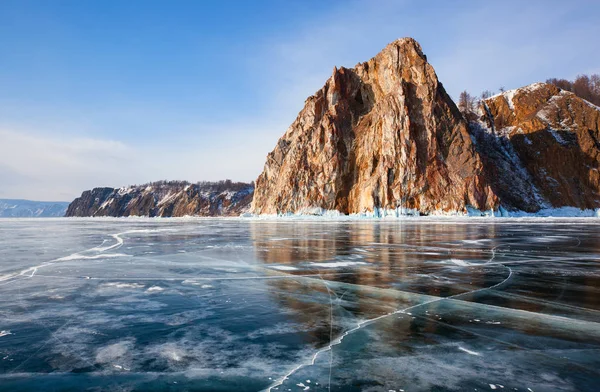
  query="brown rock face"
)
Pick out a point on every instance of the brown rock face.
point(165, 200)
point(383, 135)
point(550, 144)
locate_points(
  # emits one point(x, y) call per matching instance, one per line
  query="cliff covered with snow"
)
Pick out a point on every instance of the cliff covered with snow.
point(541, 148)
point(165, 199)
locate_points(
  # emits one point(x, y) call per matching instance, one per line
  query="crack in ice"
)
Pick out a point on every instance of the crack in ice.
point(364, 323)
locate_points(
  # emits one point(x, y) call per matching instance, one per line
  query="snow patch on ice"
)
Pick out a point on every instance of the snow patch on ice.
point(95, 257)
point(468, 351)
point(284, 267)
point(459, 262)
point(477, 242)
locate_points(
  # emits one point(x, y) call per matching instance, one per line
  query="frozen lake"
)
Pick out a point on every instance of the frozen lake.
point(248, 305)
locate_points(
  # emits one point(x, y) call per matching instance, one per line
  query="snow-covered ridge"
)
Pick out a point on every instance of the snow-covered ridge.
point(165, 198)
point(509, 95)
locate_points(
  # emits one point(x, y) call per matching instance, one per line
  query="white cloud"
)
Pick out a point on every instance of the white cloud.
point(42, 167)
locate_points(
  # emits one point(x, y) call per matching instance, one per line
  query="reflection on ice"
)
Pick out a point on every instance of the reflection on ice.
point(449, 305)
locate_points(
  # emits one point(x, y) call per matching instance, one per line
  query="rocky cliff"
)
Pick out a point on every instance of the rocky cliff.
point(165, 199)
point(541, 148)
point(383, 135)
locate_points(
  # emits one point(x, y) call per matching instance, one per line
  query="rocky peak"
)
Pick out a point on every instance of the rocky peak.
point(382, 136)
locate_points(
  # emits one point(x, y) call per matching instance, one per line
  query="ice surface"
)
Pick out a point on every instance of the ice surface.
point(445, 304)
point(408, 214)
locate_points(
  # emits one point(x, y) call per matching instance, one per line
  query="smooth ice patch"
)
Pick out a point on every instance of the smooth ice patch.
point(171, 352)
point(337, 264)
point(114, 351)
point(122, 285)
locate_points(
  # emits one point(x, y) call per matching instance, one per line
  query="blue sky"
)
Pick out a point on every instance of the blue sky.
point(111, 93)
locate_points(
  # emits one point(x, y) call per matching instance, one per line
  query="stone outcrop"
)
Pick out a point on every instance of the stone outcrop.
point(541, 148)
point(383, 135)
point(165, 199)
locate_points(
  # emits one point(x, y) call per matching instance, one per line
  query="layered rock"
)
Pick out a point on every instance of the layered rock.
point(541, 148)
point(165, 199)
point(383, 135)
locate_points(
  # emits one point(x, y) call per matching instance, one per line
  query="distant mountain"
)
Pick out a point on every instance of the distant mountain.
point(166, 199)
point(16, 208)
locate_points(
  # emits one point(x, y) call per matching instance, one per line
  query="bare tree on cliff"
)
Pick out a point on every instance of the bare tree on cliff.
point(466, 105)
point(485, 94)
point(595, 79)
point(584, 86)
